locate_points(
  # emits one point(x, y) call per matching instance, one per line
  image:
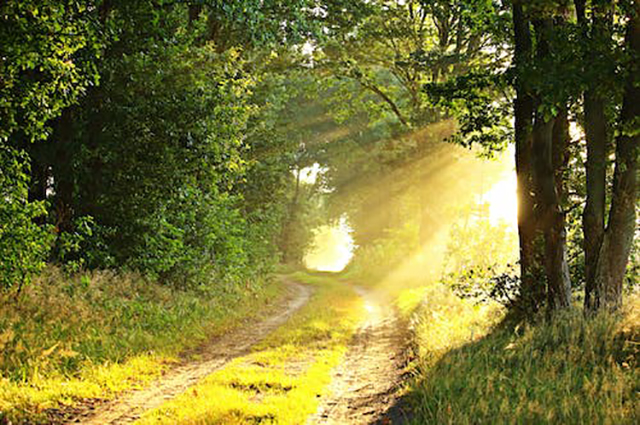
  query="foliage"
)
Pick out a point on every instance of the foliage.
point(43, 47)
point(24, 245)
point(478, 100)
point(391, 49)
point(164, 193)
point(282, 207)
point(260, 23)
point(141, 118)
point(474, 241)
point(69, 244)
point(373, 262)
point(479, 262)
point(501, 284)
point(43, 71)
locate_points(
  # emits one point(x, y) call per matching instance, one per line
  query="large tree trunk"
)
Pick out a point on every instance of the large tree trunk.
point(550, 218)
point(611, 264)
point(532, 289)
point(547, 159)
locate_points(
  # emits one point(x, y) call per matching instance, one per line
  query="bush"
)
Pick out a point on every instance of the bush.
point(24, 245)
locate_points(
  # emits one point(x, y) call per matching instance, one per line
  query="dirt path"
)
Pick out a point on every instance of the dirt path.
point(215, 354)
point(364, 388)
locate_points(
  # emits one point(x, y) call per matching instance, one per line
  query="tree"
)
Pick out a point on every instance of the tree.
point(550, 76)
point(393, 49)
point(607, 248)
point(134, 118)
point(40, 76)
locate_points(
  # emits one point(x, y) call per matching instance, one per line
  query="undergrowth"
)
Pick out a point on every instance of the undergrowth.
point(97, 334)
point(567, 369)
point(282, 379)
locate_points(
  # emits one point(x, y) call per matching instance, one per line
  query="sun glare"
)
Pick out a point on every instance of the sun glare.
point(309, 175)
point(502, 200)
point(332, 247)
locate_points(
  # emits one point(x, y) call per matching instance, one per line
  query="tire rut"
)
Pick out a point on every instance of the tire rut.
point(214, 355)
point(364, 388)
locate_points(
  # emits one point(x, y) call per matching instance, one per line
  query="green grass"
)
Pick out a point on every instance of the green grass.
point(96, 335)
point(568, 370)
point(281, 380)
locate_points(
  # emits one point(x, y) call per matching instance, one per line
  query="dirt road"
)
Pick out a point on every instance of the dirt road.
point(363, 390)
point(365, 387)
point(215, 354)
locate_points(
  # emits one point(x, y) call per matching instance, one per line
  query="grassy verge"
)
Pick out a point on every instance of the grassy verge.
point(96, 335)
point(279, 382)
point(568, 370)
point(440, 321)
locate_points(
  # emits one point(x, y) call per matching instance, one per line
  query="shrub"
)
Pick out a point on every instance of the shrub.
point(24, 244)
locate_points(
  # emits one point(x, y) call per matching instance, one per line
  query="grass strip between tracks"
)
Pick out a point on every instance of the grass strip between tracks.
point(282, 379)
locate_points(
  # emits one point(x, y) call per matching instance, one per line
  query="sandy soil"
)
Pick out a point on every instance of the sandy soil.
point(212, 356)
point(365, 387)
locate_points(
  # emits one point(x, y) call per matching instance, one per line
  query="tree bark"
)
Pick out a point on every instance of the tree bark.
point(547, 153)
point(593, 215)
point(559, 293)
point(595, 127)
point(550, 218)
point(532, 290)
point(611, 263)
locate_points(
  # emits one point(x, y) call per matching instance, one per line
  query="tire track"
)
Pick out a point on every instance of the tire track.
point(215, 354)
point(365, 386)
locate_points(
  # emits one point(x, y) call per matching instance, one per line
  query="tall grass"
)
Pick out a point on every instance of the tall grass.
point(567, 369)
point(440, 321)
point(98, 334)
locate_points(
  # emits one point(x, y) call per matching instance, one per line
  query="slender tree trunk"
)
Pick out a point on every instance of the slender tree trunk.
point(560, 152)
point(289, 248)
point(559, 293)
point(62, 175)
point(532, 290)
point(595, 127)
point(611, 263)
point(550, 218)
point(593, 216)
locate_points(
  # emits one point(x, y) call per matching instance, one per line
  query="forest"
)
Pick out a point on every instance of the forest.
point(319, 211)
